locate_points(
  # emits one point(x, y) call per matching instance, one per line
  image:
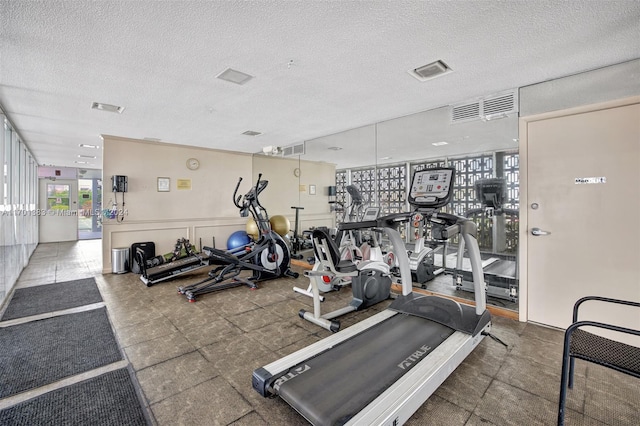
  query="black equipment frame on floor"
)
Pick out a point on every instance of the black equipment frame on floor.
point(267, 258)
point(157, 269)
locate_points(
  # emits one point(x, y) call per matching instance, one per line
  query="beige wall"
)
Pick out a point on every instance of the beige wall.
point(206, 211)
point(286, 190)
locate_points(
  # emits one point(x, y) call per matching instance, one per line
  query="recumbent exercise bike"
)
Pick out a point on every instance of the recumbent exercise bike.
point(267, 258)
point(370, 279)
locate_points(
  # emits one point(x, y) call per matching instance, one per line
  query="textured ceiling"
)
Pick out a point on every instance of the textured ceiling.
point(320, 67)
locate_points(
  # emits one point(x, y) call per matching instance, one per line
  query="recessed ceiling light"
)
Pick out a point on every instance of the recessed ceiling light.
point(429, 71)
point(440, 143)
point(234, 76)
point(251, 133)
point(107, 107)
point(385, 158)
point(86, 156)
point(152, 139)
point(82, 162)
point(84, 145)
point(334, 148)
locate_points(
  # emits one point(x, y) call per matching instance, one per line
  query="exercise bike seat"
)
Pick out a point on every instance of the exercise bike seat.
point(331, 259)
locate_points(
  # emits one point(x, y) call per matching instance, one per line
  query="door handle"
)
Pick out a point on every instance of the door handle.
point(539, 232)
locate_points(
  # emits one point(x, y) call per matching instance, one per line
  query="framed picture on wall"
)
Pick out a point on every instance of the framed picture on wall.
point(312, 190)
point(164, 184)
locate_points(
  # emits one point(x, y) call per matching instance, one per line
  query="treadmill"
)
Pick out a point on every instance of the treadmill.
point(381, 370)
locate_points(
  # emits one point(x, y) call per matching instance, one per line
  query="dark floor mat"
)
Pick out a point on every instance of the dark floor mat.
point(109, 399)
point(52, 297)
point(40, 352)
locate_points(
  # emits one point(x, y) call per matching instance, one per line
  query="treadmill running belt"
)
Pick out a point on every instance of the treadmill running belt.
point(337, 384)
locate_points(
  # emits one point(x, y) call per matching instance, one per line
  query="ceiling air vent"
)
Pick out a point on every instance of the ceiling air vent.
point(234, 76)
point(499, 105)
point(429, 71)
point(293, 150)
point(490, 107)
point(465, 112)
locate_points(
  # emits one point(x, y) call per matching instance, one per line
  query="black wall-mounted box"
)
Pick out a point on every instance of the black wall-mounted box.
point(119, 183)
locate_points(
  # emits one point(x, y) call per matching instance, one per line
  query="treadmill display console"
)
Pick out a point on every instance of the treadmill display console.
point(371, 213)
point(431, 188)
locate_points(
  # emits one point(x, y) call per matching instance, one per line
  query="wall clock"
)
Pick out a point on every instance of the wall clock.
point(193, 164)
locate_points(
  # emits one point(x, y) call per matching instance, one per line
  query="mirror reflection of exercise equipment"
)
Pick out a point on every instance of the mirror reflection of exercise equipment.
point(298, 242)
point(495, 223)
point(427, 245)
point(350, 241)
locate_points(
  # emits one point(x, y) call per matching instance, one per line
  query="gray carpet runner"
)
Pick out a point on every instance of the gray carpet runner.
point(41, 352)
point(52, 297)
point(106, 400)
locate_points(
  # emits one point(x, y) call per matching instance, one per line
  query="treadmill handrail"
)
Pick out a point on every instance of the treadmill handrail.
point(349, 226)
point(388, 221)
point(469, 230)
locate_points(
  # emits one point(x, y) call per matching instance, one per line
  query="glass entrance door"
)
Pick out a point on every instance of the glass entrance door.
point(89, 209)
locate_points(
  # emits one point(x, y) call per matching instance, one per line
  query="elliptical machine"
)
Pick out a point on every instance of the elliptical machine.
point(267, 258)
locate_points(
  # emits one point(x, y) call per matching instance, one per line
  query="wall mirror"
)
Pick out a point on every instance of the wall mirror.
point(378, 160)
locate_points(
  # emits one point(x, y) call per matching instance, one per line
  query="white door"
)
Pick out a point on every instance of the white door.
point(58, 210)
point(594, 243)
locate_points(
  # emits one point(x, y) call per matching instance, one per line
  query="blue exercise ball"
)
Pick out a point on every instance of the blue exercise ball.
point(237, 239)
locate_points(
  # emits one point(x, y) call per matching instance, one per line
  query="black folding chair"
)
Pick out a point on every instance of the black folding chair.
point(597, 349)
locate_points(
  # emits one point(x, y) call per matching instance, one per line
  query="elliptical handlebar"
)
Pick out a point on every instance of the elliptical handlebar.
point(249, 196)
point(236, 201)
point(260, 186)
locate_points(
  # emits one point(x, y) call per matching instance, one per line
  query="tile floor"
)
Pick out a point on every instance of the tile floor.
point(194, 361)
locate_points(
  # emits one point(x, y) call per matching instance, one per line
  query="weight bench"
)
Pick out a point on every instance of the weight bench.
point(597, 349)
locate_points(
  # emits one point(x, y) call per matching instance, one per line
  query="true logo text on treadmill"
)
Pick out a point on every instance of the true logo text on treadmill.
point(290, 375)
point(414, 357)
